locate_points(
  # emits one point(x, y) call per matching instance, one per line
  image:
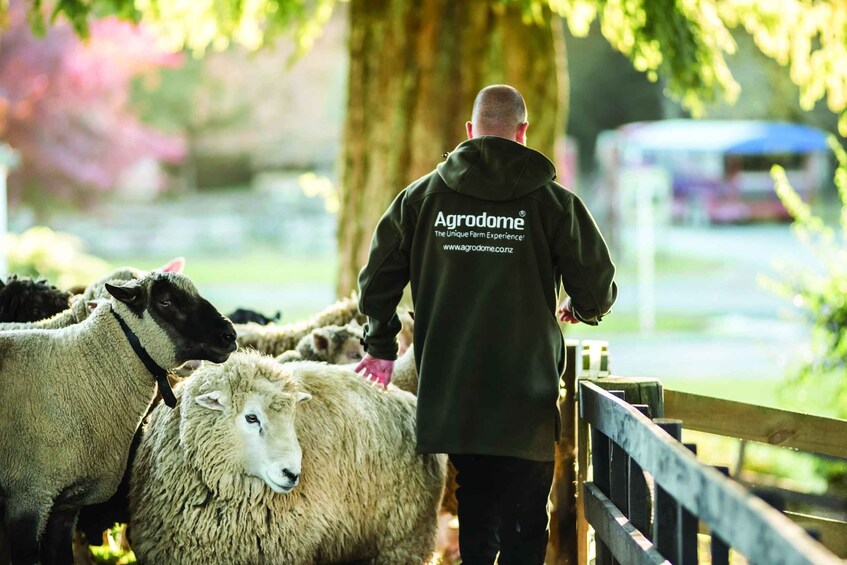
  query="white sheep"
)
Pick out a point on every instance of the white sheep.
point(243, 473)
point(276, 339)
point(336, 345)
point(79, 310)
point(72, 399)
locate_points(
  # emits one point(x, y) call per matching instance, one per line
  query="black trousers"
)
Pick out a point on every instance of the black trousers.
point(502, 507)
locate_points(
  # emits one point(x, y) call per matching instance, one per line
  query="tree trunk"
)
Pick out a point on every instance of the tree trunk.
point(415, 68)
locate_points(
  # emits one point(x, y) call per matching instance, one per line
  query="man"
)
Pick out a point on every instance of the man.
point(485, 240)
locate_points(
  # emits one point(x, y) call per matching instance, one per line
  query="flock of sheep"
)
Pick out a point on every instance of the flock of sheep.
point(270, 450)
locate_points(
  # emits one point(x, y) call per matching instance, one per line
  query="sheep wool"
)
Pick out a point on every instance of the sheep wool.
point(363, 492)
point(23, 299)
point(405, 374)
point(276, 339)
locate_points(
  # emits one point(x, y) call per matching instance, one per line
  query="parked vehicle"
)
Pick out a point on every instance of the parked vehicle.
point(720, 169)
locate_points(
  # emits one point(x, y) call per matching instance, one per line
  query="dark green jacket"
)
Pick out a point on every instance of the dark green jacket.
point(485, 241)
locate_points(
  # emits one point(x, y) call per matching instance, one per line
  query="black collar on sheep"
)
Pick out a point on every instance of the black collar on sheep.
point(160, 374)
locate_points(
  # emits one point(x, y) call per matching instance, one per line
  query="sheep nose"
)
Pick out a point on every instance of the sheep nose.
point(228, 337)
point(291, 476)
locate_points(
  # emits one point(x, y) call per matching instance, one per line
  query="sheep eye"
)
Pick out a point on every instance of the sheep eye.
point(165, 303)
point(251, 419)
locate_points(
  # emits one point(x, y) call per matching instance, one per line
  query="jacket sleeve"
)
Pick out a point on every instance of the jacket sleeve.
point(582, 258)
point(383, 279)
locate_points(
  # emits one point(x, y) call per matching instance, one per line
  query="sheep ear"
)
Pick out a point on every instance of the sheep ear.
point(303, 396)
point(129, 295)
point(320, 341)
point(173, 266)
point(212, 400)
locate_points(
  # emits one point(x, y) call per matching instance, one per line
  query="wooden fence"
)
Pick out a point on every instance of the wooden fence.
point(649, 496)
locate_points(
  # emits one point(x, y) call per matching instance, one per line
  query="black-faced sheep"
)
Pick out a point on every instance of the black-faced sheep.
point(72, 399)
point(79, 310)
point(336, 345)
point(221, 479)
point(276, 339)
point(245, 315)
point(28, 300)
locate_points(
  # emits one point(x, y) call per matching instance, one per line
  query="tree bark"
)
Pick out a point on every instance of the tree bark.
point(415, 68)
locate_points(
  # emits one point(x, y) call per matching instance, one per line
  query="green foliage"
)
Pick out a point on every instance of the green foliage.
point(77, 12)
point(684, 41)
point(820, 295)
point(808, 36)
point(58, 257)
point(116, 551)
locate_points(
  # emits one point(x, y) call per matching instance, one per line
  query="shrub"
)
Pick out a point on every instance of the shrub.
point(818, 377)
point(58, 257)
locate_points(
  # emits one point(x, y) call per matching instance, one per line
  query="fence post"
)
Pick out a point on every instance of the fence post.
point(689, 525)
point(601, 465)
point(666, 525)
point(639, 503)
point(636, 391)
point(719, 548)
point(564, 517)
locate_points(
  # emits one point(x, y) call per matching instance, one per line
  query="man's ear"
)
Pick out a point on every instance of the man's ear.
point(469, 129)
point(520, 133)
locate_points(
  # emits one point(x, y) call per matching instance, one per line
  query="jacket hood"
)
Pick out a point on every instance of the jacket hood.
point(495, 168)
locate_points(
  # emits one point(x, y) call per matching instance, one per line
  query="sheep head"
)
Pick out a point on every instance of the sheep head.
point(337, 345)
point(248, 421)
point(163, 305)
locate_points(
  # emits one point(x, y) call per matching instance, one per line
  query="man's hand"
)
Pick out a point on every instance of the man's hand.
point(376, 370)
point(565, 314)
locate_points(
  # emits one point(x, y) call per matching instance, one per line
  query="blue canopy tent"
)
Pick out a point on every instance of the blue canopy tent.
point(721, 168)
point(731, 137)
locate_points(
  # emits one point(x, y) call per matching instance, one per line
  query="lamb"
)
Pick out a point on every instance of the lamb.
point(336, 345)
point(72, 399)
point(273, 339)
point(78, 310)
point(250, 471)
point(28, 300)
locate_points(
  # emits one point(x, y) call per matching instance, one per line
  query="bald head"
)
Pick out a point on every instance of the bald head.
point(499, 110)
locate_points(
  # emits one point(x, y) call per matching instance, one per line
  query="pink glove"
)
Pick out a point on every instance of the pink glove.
point(376, 370)
point(565, 314)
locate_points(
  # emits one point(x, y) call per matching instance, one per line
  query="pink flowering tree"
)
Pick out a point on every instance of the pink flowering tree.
point(65, 107)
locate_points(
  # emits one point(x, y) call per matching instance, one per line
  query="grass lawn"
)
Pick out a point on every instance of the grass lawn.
point(260, 266)
point(753, 391)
